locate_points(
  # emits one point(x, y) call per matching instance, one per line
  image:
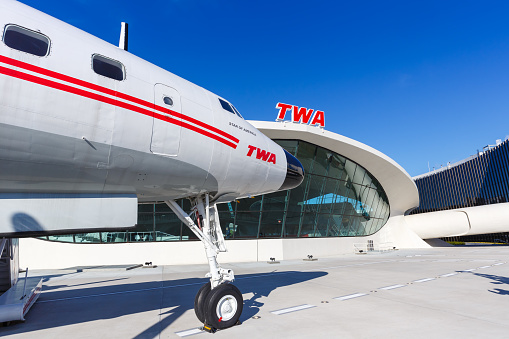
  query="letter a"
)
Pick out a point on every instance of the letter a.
point(272, 158)
point(318, 119)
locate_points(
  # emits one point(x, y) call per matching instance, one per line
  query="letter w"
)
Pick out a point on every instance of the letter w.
point(262, 154)
point(301, 113)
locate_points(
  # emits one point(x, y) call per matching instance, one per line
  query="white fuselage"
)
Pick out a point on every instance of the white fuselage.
point(66, 129)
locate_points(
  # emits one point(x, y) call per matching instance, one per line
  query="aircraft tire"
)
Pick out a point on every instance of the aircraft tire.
point(223, 306)
point(199, 301)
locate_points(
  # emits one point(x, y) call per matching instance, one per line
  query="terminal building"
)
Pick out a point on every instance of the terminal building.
point(480, 180)
point(353, 199)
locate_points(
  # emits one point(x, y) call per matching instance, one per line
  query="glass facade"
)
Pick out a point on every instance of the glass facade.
point(480, 180)
point(338, 198)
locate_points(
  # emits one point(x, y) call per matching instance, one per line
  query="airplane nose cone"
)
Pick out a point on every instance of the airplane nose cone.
point(294, 172)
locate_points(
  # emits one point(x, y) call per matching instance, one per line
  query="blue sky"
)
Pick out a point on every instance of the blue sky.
point(421, 81)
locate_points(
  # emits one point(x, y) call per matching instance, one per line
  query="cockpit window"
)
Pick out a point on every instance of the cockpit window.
point(237, 111)
point(226, 106)
point(229, 107)
point(25, 40)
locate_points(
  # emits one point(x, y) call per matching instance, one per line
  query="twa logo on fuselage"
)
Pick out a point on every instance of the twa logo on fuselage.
point(301, 115)
point(261, 154)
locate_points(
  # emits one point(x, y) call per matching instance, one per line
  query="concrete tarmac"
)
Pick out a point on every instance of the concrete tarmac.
point(432, 293)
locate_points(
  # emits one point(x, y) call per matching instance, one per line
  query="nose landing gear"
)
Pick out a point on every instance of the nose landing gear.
point(218, 304)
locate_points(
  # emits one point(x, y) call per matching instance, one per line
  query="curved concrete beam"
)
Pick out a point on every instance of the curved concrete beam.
point(483, 219)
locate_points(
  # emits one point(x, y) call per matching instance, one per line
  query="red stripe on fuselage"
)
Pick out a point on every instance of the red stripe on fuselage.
point(60, 76)
point(98, 97)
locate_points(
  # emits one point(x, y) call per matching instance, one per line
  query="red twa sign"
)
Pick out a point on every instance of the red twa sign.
point(301, 115)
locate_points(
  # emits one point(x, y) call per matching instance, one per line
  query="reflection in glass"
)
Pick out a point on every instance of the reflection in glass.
point(168, 227)
point(247, 224)
point(271, 224)
point(87, 237)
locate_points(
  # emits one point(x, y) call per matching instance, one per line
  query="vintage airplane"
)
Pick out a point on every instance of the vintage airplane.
point(88, 131)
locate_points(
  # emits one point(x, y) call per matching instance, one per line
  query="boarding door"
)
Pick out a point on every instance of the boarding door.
point(167, 122)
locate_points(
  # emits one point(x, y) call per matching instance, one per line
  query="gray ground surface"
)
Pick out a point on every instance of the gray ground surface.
point(158, 302)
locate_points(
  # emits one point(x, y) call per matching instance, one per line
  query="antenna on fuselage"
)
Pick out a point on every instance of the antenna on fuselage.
point(123, 36)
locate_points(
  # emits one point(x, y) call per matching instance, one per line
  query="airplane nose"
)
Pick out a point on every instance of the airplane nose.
point(294, 172)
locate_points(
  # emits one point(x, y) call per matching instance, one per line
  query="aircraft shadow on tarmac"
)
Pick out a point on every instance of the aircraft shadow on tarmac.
point(497, 280)
point(162, 301)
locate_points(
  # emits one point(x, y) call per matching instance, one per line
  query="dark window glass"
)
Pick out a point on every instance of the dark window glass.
point(275, 201)
point(168, 101)
point(292, 222)
point(226, 106)
point(337, 167)
point(306, 155)
point(107, 67)
point(167, 227)
point(308, 225)
point(289, 145)
point(252, 204)
point(271, 225)
point(323, 159)
point(322, 224)
point(146, 208)
point(237, 112)
point(25, 40)
point(247, 224)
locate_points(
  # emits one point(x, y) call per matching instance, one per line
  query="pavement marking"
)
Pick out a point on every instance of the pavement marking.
point(423, 280)
point(351, 296)
point(187, 333)
point(470, 270)
point(484, 267)
point(391, 287)
point(499, 263)
point(202, 282)
point(448, 275)
point(292, 309)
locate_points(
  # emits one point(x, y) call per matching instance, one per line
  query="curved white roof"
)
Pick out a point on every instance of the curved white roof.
point(398, 185)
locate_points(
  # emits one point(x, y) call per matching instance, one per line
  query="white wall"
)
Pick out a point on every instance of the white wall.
point(41, 254)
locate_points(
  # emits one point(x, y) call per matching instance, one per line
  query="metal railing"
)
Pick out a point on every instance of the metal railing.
point(370, 247)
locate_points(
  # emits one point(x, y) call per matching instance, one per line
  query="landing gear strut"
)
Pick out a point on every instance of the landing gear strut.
point(218, 304)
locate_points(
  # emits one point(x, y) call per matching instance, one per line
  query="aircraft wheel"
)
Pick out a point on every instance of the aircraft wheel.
point(223, 306)
point(199, 302)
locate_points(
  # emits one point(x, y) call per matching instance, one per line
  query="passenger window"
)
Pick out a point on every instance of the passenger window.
point(168, 101)
point(108, 67)
point(226, 106)
point(26, 40)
